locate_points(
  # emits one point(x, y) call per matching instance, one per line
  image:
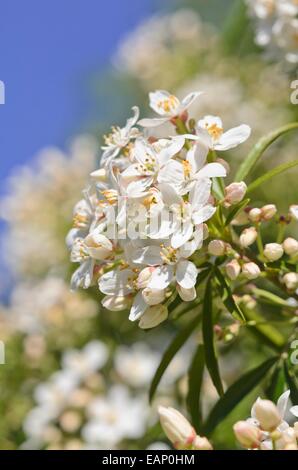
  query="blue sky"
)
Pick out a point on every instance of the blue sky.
point(48, 51)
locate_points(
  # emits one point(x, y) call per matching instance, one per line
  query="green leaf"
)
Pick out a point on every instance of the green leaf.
point(276, 384)
point(195, 380)
point(292, 383)
point(270, 174)
point(270, 298)
point(262, 329)
point(172, 349)
point(208, 338)
point(260, 148)
point(236, 393)
point(227, 297)
point(234, 211)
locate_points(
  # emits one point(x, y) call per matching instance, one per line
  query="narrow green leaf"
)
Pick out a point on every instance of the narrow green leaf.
point(236, 393)
point(235, 210)
point(227, 297)
point(292, 383)
point(208, 338)
point(270, 174)
point(260, 148)
point(172, 349)
point(195, 380)
point(264, 330)
point(276, 384)
point(271, 298)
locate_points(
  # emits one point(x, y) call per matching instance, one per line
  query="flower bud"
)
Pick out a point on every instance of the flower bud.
point(273, 251)
point(235, 192)
point(116, 303)
point(216, 247)
point(99, 175)
point(233, 269)
point(267, 414)
point(290, 245)
point(187, 294)
point(248, 237)
point(291, 281)
point(153, 296)
point(247, 434)
point(294, 211)
point(99, 246)
point(251, 270)
point(153, 316)
point(268, 211)
point(178, 430)
point(240, 219)
point(144, 277)
point(201, 443)
point(255, 214)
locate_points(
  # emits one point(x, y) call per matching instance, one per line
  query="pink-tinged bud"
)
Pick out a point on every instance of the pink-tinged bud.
point(267, 414)
point(153, 296)
point(248, 237)
point(268, 211)
point(255, 214)
point(251, 270)
point(247, 434)
point(273, 251)
point(294, 211)
point(233, 269)
point(201, 443)
point(290, 245)
point(153, 316)
point(116, 303)
point(240, 219)
point(144, 277)
point(235, 192)
point(177, 429)
point(291, 281)
point(217, 248)
point(224, 163)
point(187, 294)
point(99, 175)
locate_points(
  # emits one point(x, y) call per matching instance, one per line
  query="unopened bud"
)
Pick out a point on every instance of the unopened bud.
point(178, 430)
point(116, 303)
point(247, 434)
point(187, 294)
point(291, 281)
point(235, 192)
point(233, 269)
point(251, 270)
point(273, 251)
point(294, 211)
point(267, 414)
point(248, 237)
point(268, 211)
point(290, 245)
point(153, 296)
point(153, 316)
point(201, 443)
point(216, 248)
point(255, 214)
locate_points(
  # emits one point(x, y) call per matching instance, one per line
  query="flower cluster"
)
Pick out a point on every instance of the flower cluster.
point(141, 223)
point(277, 26)
point(267, 429)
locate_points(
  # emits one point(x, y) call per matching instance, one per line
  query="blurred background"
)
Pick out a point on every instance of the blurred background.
point(71, 70)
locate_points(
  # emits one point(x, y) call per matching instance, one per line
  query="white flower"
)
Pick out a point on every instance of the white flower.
point(210, 129)
point(90, 359)
point(119, 138)
point(168, 106)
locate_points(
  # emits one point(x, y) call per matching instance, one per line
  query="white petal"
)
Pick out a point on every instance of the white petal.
point(200, 193)
point(169, 195)
point(82, 277)
point(233, 137)
point(187, 294)
point(132, 121)
point(189, 99)
point(282, 403)
point(161, 277)
point(166, 149)
point(116, 282)
point(186, 274)
point(153, 122)
point(172, 173)
point(138, 307)
point(137, 188)
point(212, 170)
point(150, 255)
point(181, 236)
point(203, 214)
point(197, 155)
point(294, 410)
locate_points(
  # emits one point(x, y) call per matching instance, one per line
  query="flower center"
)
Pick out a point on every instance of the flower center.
point(168, 104)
